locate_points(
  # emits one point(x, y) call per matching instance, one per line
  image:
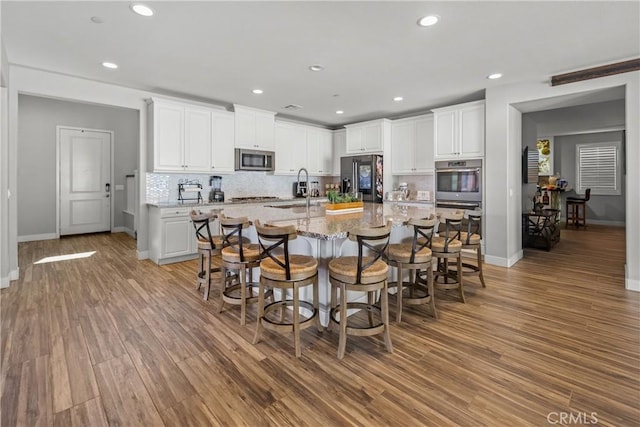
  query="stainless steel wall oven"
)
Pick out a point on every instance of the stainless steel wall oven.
point(459, 184)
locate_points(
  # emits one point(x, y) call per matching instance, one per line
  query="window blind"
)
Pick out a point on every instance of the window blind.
point(598, 168)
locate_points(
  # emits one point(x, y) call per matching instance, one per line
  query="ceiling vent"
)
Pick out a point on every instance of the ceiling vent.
point(292, 107)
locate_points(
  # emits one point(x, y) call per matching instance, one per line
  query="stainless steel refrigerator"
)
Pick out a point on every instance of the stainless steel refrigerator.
point(363, 174)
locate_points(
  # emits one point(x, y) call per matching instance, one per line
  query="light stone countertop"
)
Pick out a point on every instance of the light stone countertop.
point(317, 224)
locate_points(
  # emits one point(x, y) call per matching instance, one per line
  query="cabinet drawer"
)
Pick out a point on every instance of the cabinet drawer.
point(174, 212)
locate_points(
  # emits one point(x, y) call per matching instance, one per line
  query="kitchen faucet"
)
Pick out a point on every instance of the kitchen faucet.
point(307, 181)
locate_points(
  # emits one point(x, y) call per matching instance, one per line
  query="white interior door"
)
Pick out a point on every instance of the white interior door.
point(85, 181)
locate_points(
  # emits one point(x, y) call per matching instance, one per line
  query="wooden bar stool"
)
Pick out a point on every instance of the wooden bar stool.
point(239, 257)
point(209, 247)
point(446, 246)
point(416, 258)
point(471, 239)
point(577, 210)
point(284, 271)
point(367, 273)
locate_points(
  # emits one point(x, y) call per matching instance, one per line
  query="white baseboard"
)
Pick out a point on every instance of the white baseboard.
point(6, 281)
point(34, 237)
point(127, 230)
point(632, 285)
point(143, 254)
point(495, 260)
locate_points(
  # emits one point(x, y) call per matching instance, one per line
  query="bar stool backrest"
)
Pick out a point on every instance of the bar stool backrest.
point(200, 222)
point(275, 239)
point(232, 233)
point(422, 235)
point(373, 240)
point(474, 225)
point(450, 227)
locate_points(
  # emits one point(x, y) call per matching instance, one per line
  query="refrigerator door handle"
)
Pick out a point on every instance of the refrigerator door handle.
point(355, 180)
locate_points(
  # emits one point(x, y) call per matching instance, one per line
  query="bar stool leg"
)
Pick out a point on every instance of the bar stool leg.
point(207, 275)
point(479, 253)
point(399, 294)
point(460, 278)
point(431, 290)
point(243, 295)
point(342, 342)
point(384, 301)
point(333, 305)
point(260, 313)
point(296, 320)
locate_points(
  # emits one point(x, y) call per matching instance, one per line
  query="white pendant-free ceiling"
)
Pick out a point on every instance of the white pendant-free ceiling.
point(370, 51)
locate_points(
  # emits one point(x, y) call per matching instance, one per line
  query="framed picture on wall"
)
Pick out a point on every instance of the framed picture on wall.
point(545, 155)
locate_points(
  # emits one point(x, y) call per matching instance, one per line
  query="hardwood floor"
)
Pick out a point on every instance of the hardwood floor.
point(110, 340)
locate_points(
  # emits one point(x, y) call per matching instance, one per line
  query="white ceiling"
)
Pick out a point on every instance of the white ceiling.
point(218, 52)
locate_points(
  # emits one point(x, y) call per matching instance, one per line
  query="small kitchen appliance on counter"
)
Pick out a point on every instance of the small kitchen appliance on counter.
point(216, 194)
point(300, 189)
point(190, 192)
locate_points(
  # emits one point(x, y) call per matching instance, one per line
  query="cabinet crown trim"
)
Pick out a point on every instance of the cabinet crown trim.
point(244, 107)
point(458, 106)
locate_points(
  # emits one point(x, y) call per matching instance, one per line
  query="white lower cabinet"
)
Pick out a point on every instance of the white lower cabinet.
point(171, 235)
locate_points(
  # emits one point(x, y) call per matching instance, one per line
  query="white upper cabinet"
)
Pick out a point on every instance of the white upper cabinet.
point(300, 146)
point(291, 148)
point(190, 138)
point(181, 136)
point(459, 131)
point(339, 148)
point(319, 151)
point(254, 128)
point(222, 142)
point(412, 146)
point(368, 137)
point(197, 139)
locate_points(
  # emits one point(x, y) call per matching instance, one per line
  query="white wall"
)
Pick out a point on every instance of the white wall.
point(37, 157)
point(503, 146)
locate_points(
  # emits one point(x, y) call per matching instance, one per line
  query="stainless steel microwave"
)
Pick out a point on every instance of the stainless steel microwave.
point(254, 160)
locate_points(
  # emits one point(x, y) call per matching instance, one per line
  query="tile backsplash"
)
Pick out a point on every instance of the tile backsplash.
point(416, 183)
point(164, 187)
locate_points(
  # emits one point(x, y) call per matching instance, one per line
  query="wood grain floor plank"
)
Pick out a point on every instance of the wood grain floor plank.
point(191, 412)
point(73, 379)
point(34, 405)
point(124, 396)
point(86, 414)
point(103, 341)
point(165, 382)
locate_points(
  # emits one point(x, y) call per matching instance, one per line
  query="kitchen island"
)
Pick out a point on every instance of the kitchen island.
point(325, 236)
point(321, 236)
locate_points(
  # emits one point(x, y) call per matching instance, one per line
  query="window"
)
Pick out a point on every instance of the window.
point(598, 168)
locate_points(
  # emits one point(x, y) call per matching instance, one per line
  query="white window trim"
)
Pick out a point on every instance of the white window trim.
point(595, 190)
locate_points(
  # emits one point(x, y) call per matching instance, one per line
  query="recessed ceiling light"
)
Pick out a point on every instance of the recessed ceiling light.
point(97, 20)
point(110, 65)
point(398, 98)
point(257, 91)
point(142, 9)
point(316, 67)
point(339, 112)
point(494, 76)
point(428, 20)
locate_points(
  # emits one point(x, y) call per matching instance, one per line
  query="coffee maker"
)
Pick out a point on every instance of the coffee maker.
point(216, 194)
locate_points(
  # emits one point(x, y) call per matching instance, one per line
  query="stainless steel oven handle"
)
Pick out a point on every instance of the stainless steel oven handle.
point(458, 170)
point(444, 202)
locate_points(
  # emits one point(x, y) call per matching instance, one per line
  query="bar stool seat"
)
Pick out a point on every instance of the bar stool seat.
point(285, 272)
point(576, 208)
point(239, 258)
point(446, 246)
point(367, 273)
point(414, 257)
point(471, 240)
point(208, 247)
